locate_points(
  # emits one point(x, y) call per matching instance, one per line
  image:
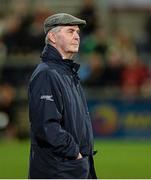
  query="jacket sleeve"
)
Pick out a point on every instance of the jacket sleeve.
point(45, 109)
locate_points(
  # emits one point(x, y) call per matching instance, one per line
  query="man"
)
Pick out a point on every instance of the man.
point(61, 131)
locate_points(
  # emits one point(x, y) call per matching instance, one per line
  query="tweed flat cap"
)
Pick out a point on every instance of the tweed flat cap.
point(61, 19)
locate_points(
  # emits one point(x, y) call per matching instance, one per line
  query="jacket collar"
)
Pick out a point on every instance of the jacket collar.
point(51, 54)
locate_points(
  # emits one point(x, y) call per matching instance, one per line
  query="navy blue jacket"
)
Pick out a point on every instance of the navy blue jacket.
point(59, 118)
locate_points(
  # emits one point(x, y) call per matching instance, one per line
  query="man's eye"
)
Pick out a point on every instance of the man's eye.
point(70, 31)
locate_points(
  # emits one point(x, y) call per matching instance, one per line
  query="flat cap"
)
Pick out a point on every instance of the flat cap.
point(61, 19)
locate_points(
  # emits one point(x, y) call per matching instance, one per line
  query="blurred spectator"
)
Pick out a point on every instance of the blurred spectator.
point(89, 13)
point(97, 41)
point(117, 55)
point(144, 44)
point(134, 76)
point(24, 34)
point(2, 23)
point(113, 68)
point(3, 53)
point(95, 70)
point(7, 97)
point(145, 89)
point(36, 29)
point(11, 36)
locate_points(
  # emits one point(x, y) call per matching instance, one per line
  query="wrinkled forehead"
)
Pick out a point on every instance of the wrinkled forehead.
point(69, 27)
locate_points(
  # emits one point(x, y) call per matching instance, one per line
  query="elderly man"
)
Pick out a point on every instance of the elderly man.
point(61, 131)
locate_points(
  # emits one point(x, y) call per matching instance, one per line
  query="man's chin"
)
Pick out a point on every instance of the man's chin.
point(75, 50)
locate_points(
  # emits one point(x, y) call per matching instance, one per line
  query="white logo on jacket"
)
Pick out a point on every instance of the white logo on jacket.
point(47, 97)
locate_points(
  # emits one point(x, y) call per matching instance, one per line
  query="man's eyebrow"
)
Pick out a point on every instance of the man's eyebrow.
point(71, 28)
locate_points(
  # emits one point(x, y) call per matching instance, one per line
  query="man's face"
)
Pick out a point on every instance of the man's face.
point(67, 39)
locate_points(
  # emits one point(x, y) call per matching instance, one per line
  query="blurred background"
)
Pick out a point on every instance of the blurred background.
point(115, 58)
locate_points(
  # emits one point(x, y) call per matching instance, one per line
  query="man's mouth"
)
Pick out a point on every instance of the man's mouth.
point(75, 44)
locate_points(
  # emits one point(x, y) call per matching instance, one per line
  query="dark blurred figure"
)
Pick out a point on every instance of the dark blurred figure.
point(18, 38)
point(95, 70)
point(118, 53)
point(89, 13)
point(24, 34)
point(36, 29)
point(113, 69)
point(144, 44)
point(105, 72)
point(11, 37)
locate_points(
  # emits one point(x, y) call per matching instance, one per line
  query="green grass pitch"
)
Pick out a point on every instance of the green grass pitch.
point(115, 159)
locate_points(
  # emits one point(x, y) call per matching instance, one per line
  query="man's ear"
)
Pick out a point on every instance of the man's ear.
point(52, 37)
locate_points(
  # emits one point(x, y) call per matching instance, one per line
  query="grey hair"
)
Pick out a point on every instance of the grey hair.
point(56, 29)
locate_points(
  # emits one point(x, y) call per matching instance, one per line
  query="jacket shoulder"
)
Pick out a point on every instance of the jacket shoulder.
point(43, 68)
